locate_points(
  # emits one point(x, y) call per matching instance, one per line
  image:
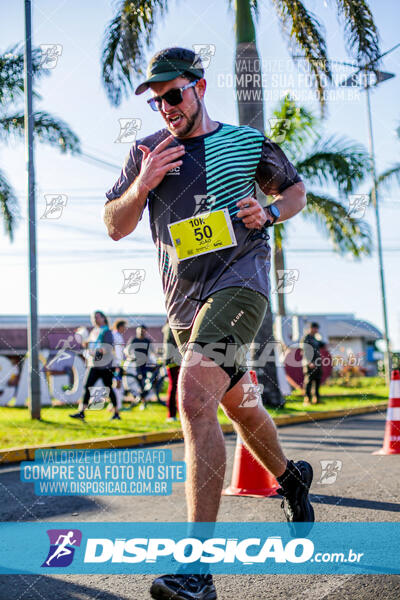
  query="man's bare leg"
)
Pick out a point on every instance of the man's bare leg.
point(256, 428)
point(258, 432)
point(201, 388)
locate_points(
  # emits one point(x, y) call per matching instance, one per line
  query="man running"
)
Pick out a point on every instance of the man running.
point(197, 177)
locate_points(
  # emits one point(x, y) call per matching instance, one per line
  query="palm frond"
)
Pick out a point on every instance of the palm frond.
point(47, 128)
point(253, 5)
point(292, 126)
point(8, 207)
point(386, 178)
point(335, 161)
point(12, 73)
point(347, 233)
point(125, 41)
point(255, 8)
point(304, 33)
point(361, 33)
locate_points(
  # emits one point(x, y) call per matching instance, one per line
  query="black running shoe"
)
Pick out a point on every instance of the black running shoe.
point(78, 415)
point(183, 587)
point(296, 504)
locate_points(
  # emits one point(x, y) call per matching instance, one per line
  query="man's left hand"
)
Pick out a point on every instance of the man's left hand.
point(251, 213)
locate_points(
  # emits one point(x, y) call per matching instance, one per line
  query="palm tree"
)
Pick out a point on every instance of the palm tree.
point(303, 31)
point(47, 128)
point(390, 175)
point(129, 35)
point(321, 162)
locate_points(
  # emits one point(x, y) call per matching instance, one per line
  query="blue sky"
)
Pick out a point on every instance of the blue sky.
point(80, 268)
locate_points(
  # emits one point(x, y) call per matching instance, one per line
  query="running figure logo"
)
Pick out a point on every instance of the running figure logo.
point(64, 351)
point(128, 130)
point(204, 53)
point(133, 279)
point(252, 394)
point(329, 471)
point(279, 128)
point(286, 280)
point(204, 204)
point(50, 55)
point(98, 397)
point(358, 204)
point(62, 542)
point(55, 204)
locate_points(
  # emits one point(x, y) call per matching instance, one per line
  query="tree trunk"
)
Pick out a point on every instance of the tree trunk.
point(251, 112)
point(279, 265)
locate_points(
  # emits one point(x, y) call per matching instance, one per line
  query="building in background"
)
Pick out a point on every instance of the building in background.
point(348, 338)
point(54, 328)
point(350, 341)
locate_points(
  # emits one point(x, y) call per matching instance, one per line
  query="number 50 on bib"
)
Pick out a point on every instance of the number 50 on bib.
point(206, 232)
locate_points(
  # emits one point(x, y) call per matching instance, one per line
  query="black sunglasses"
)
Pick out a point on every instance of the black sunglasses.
point(173, 97)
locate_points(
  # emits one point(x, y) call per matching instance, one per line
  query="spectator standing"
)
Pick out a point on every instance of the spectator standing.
point(139, 348)
point(311, 345)
point(118, 330)
point(99, 362)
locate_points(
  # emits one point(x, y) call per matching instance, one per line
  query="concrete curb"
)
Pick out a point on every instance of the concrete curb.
point(13, 455)
point(306, 417)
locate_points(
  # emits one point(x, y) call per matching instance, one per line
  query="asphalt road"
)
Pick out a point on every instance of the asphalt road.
point(367, 488)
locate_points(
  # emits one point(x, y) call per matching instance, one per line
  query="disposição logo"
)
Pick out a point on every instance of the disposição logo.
point(62, 547)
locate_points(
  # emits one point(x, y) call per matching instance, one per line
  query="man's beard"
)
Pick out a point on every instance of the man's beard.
point(191, 121)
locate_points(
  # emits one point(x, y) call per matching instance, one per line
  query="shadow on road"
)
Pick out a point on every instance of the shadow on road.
point(355, 502)
point(20, 503)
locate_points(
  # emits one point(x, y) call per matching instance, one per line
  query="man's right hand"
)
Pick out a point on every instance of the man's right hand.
point(158, 162)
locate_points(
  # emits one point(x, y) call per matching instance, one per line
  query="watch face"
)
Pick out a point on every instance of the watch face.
point(274, 211)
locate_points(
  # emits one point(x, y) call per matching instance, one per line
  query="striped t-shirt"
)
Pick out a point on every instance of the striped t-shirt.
point(218, 169)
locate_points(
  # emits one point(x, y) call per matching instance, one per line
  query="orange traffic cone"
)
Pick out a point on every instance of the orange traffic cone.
point(391, 441)
point(249, 478)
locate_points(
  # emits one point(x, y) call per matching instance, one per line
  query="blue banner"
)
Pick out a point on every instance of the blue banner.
point(225, 548)
point(110, 472)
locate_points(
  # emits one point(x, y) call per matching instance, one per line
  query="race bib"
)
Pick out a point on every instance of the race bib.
point(206, 232)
